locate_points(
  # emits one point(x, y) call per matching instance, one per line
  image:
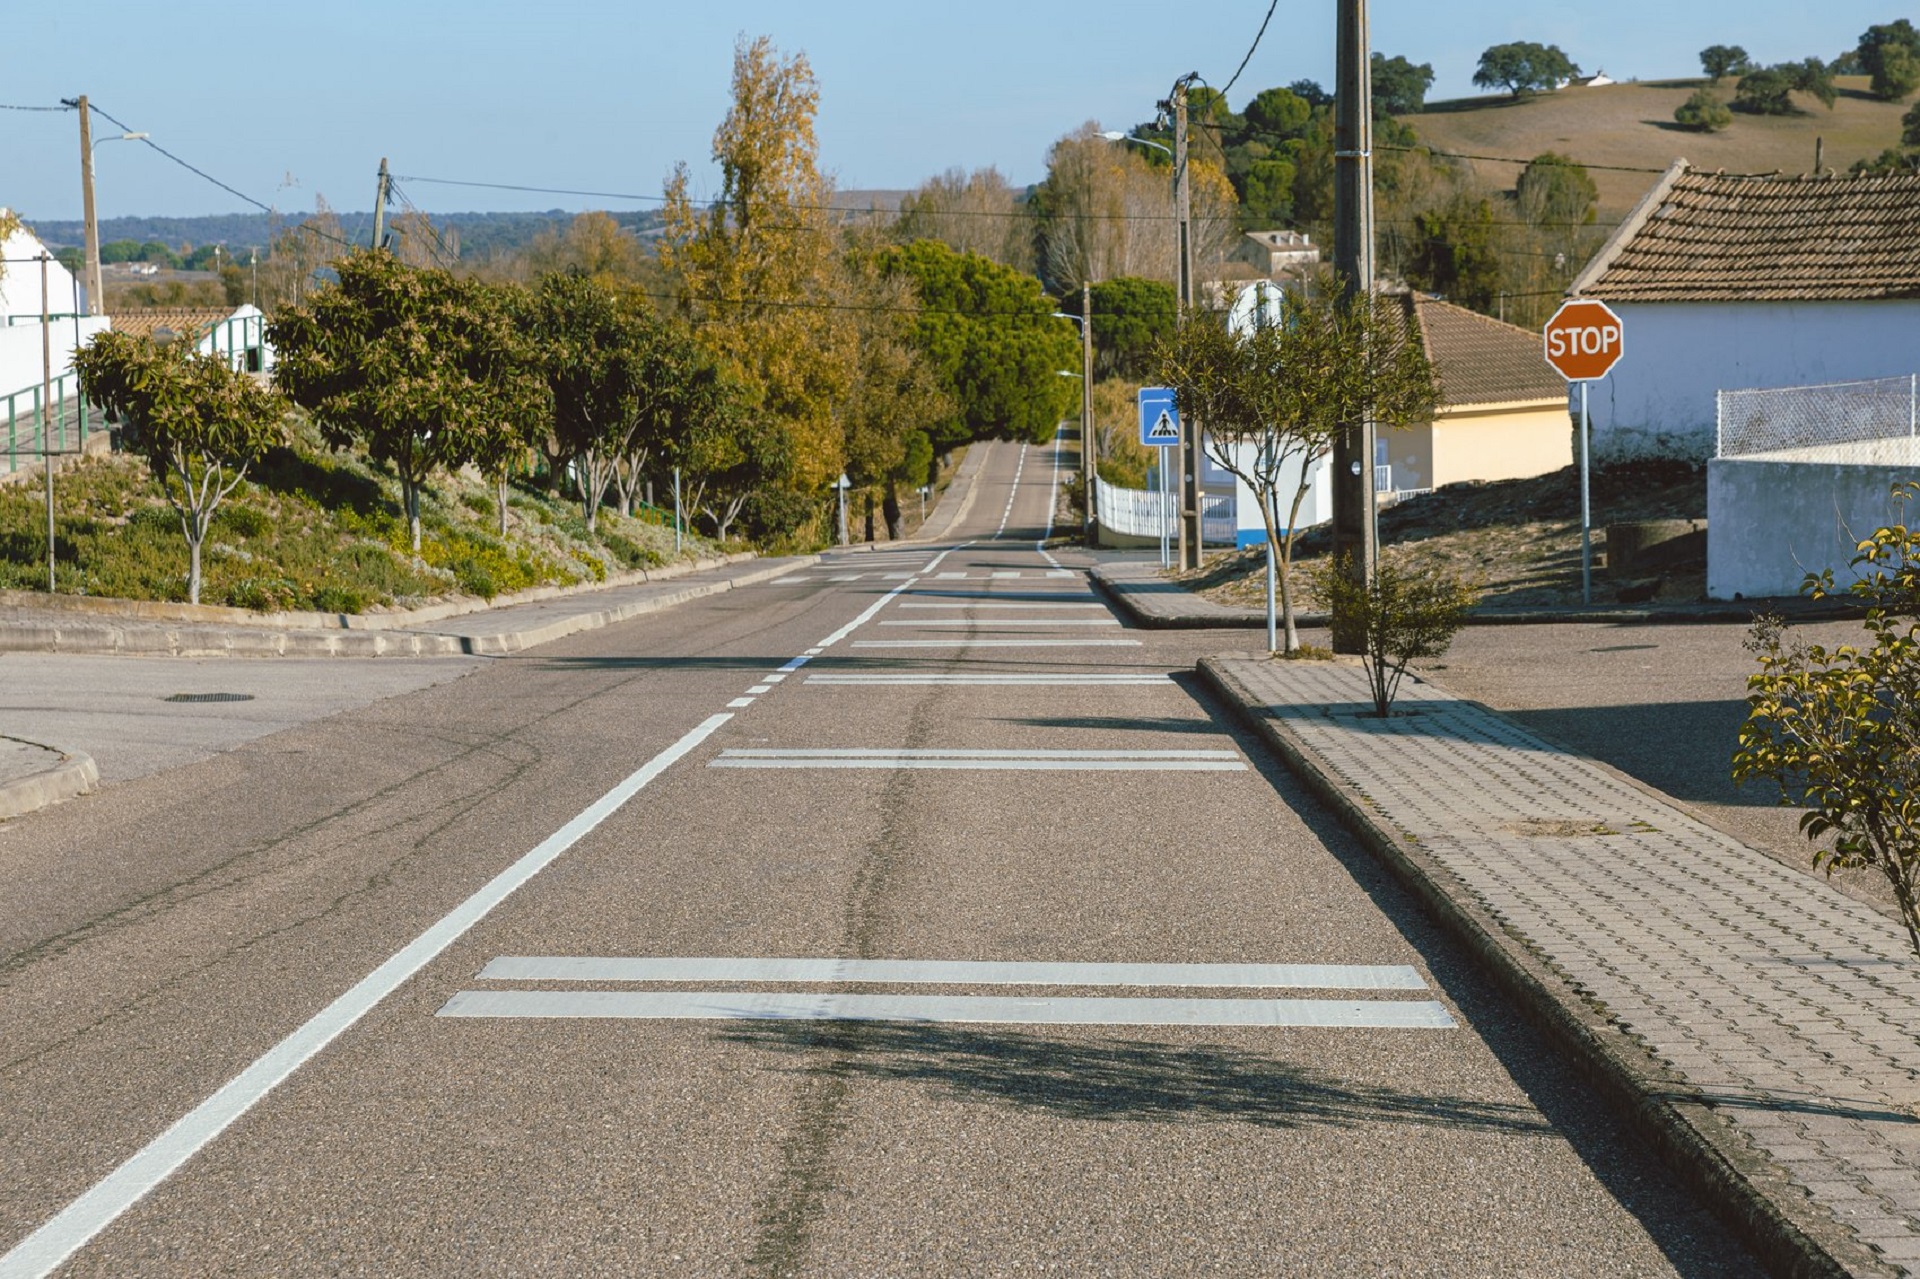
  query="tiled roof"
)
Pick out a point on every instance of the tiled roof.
point(1709, 237)
point(1480, 360)
point(189, 320)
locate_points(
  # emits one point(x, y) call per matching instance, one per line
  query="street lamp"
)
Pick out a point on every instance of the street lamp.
point(1115, 135)
point(96, 291)
point(840, 487)
point(1090, 532)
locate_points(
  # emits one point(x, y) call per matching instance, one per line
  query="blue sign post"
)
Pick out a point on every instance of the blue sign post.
point(1160, 428)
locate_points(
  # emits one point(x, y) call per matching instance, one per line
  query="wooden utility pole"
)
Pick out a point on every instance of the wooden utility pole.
point(96, 300)
point(1089, 464)
point(1190, 504)
point(380, 206)
point(1354, 498)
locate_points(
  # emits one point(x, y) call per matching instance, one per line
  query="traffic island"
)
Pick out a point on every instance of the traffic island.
point(1750, 1022)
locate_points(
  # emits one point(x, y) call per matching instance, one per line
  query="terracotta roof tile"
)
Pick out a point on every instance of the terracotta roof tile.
point(193, 320)
point(1708, 237)
point(1480, 360)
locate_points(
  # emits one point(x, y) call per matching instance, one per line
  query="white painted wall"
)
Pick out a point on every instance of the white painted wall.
point(1770, 522)
point(20, 353)
point(1315, 508)
point(1659, 399)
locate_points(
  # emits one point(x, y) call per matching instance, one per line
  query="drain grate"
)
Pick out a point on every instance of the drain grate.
point(210, 697)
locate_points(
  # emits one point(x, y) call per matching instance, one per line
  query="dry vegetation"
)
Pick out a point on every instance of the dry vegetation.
point(1631, 125)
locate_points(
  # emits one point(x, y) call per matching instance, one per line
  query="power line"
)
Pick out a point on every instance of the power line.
point(1255, 45)
point(1507, 159)
point(8, 106)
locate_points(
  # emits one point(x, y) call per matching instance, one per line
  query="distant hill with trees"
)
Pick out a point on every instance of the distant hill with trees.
point(481, 234)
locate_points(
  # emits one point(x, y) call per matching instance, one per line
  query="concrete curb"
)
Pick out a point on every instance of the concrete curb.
point(1161, 605)
point(75, 774)
point(157, 639)
point(1794, 1237)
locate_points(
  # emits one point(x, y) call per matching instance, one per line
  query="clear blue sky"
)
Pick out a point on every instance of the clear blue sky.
point(287, 102)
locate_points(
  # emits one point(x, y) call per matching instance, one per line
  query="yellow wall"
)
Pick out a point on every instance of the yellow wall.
point(1496, 443)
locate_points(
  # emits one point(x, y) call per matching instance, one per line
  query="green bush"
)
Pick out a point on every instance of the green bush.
point(1401, 615)
point(1703, 112)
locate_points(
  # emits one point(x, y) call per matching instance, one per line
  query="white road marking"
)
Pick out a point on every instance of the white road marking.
point(986, 601)
point(1070, 761)
point(974, 623)
point(1005, 573)
point(961, 752)
point(757, 689)
point(847, 577)
point(47, 1247)
point(949, 576)
point(1063, 572)
point(961, 972)
point(1053, 498)
point(993, 643)
point(738, 702)
point(1371, 1014)
point(1082, 681)
point(1013, 493)
point(774, 678)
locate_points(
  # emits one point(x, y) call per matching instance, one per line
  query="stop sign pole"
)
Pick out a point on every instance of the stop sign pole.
point(1583, 342)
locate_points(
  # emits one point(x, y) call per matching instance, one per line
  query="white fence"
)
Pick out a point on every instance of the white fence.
point(1143, 513)
point(1870, 422)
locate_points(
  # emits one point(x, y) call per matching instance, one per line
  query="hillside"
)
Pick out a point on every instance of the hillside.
point(1632, 125)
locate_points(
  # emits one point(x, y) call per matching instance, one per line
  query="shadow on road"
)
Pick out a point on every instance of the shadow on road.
point(1127, 1080)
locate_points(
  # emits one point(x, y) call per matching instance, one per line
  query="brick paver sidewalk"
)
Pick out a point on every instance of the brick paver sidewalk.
point(1792, 1009)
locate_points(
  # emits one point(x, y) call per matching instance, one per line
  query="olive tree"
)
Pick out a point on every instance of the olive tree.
point(1837, 730)
point(197, 422)
point(1272, 401)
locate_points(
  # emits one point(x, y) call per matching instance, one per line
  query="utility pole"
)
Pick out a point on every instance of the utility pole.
point(96, 300)
point(46, 411)
point(380, 205)
point(1353, 491)
point(1088, 463)
point(1190, 452)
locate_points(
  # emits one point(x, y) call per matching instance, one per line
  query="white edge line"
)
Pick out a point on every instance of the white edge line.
point(70, 1230)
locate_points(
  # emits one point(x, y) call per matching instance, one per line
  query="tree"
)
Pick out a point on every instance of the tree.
point(198, 424)
point(1523, 67)
point(1130, 315)
point(1722, 60)
point(415, 366)
point(1704, 112)
point(594, 348)
point(1910, 127)
point(1266, 197)
point(1398, 616)
point(1768, 92)
point(1279, 113)
point(1838, 730)
point(1890, 54)
point(990, 340)
point(973, 212)
point(297, 255)
point(1273, 401)
point(758, 269)
point(1311, 92)
point(1399, 87)
point(728, 453)
point(1553, 190)
point(1454, 253)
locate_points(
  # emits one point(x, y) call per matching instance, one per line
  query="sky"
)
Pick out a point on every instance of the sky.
point(284, 103)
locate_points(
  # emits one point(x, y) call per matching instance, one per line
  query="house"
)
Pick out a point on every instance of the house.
point(239, 333)
point(1502, 413)
point(1725, 281)
point(1502, 416)
point(1277, 255)
point(21, 305)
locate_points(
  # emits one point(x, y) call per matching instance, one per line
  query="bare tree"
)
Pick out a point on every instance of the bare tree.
point(972, 212)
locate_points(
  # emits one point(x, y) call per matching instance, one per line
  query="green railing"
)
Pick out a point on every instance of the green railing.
point(59, 426)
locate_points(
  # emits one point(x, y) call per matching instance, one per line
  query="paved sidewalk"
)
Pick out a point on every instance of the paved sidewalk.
point(1762, 1028)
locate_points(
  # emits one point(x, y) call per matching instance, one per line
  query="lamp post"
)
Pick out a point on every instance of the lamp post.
point(96, 290)
point(840, 487)
point(1089, 463)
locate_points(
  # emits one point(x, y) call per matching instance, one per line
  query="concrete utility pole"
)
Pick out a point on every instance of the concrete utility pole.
point(380, 206)
point(1190, 505)
point(1088, 463)
point(96, 299)
point(1353, 491)
point(46, 411)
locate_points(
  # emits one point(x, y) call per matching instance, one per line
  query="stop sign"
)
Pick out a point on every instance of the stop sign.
point(1583, 339)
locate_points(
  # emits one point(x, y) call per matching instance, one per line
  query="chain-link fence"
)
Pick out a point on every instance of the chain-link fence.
point(1872, 421)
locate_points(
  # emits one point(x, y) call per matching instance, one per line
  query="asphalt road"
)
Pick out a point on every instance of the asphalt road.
point(479, 979)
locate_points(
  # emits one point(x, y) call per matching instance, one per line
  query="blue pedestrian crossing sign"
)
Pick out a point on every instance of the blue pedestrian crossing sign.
point(1159, 418)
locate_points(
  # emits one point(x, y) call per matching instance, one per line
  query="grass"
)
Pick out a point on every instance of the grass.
point(1519, 540)
point(1632, 125)
point(314, 530)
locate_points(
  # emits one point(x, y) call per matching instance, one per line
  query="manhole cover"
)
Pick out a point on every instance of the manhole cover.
point(211, 697)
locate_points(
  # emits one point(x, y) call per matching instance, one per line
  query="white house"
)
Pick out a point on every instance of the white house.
point(1723, 281)
point(21, 352)
point(238, 333)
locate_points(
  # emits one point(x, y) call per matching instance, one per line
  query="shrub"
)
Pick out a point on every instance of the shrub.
point(1400, 616)
point(1703, 112)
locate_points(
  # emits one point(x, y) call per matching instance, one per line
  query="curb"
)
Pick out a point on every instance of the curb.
point(1794, 1237)
point(75, 774)
point(1204, 614)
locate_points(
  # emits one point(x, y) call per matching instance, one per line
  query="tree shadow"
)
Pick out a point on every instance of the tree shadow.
point(1674, 126)
point(285, 470)
point(1119, 723)
point(1108, 1081)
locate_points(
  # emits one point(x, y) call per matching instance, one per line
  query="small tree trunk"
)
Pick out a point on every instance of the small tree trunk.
point(410, 499)
point(500, 502)
point(890, 507)
point(870, 537)
point(193, 570)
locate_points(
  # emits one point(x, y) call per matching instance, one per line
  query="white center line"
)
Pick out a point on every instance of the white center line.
point(951, 972)
point(1008, 513)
